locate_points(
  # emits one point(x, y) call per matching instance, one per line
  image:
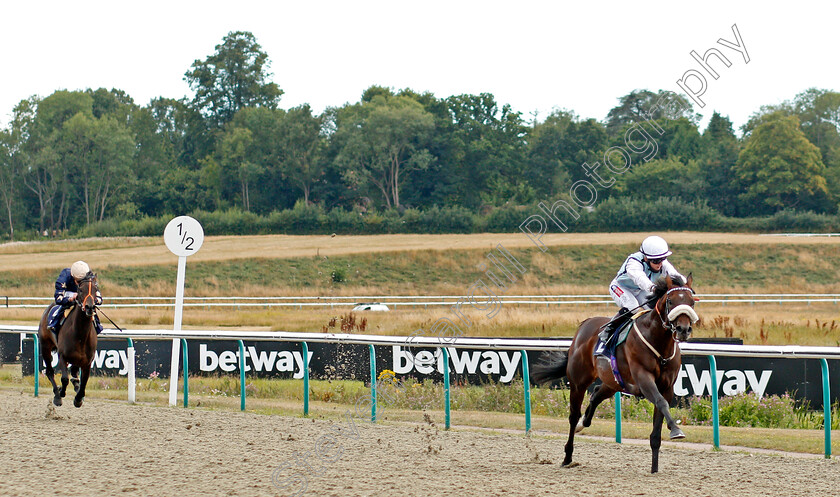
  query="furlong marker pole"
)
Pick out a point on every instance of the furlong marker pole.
point(183, 237)
point(179, 314)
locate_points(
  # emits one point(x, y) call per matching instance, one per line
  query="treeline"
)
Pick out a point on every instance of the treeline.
point(95, 162)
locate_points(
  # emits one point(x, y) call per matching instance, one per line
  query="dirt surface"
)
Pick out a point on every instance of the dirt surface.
point(112, 448)
point(239, 247)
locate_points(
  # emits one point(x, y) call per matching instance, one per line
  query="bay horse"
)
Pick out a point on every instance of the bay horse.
point(648, 362)
point(76, 342)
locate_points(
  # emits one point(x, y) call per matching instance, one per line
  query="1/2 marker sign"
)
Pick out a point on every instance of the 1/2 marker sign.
point(183, 236)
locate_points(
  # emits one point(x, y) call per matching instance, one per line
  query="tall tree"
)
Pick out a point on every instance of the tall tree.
point(639, 106)
point(486, 149)
point(301, 148)
point(234, 77)
point(779, 168)
point(719, 155)
point(234, 150)
point(10, 170)
point(558, 146)
point(46, 174)
point(382, 141)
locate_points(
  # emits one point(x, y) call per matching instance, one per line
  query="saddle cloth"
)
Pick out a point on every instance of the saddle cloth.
point(608, 348)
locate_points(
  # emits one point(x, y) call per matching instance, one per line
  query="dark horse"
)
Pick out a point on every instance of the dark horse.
point(648, 363)
point(76, 342)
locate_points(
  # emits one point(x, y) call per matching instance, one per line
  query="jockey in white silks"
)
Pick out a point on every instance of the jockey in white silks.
point(633, 285)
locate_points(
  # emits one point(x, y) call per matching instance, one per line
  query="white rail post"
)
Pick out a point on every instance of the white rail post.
point(132, 381)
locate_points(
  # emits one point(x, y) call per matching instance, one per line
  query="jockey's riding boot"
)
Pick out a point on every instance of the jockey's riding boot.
point(613, 324)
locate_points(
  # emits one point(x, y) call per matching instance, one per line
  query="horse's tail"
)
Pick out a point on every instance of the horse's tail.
point(550, 366)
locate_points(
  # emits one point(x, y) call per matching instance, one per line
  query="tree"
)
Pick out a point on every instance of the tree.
point(639, 106)
point(10, 169)
point(668, 177)
point(235, 157)
point(301, 146)
point(234, 77)
point(558, 146)
point(779, 168)
point(382, 142)
point(45, 174)
point(719, 154)
point(485, 149)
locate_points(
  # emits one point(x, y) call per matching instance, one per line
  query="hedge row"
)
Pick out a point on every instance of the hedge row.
point(616, 215)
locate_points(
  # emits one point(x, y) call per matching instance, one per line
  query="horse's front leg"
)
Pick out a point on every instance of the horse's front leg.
point(656, 440)
point(80, 395)
point(648, 387)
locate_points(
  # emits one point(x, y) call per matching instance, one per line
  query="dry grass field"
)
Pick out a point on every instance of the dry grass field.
point(101, 253)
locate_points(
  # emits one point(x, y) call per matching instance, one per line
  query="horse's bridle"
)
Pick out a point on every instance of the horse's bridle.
point(92, 280)
point(669, 315)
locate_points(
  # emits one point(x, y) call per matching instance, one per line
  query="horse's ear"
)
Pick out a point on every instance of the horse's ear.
point(689, 280)
point(669, 281)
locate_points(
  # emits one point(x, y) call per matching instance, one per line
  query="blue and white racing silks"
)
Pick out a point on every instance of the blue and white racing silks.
point(634, 282)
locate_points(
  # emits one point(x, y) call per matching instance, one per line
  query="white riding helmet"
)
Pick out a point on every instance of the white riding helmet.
point(655, 247)
point(79, 270)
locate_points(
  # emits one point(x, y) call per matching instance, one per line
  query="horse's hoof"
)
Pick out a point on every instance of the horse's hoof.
point(77, 402)
point(57, 400)
point(676, 433)
point(579, 427)
point(571, 465)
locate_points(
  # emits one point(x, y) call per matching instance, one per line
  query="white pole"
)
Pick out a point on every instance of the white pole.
point(131, 379)
point(179, 312)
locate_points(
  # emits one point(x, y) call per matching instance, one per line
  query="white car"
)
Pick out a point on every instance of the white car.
point(372, 306)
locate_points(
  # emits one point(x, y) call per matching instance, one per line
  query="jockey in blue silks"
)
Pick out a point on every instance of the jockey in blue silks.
point(633, 285)
point(66, 291)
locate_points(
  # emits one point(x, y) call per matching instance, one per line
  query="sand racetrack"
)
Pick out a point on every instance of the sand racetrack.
point(112, 448)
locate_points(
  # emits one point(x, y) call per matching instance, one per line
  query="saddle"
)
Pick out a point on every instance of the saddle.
point(607, 349)
point(64, 311)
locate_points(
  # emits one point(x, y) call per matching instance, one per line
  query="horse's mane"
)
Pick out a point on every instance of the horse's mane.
point(661, 285)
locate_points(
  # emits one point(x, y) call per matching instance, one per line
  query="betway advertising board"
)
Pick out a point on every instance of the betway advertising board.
point(800, 377)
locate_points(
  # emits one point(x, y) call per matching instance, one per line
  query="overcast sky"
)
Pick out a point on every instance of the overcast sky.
point(534, 55)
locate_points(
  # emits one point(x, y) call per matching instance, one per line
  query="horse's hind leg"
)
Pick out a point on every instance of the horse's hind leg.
point(74, 377)
point(656, 440)
point(600, 394)
point(62, 365)
point(80, 395)
point(576, 395)
point(46, 355)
